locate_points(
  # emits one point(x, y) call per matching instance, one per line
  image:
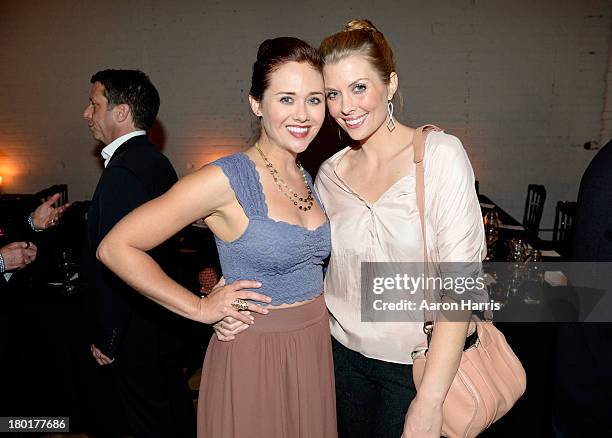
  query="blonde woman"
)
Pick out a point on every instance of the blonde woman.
point(368, 190)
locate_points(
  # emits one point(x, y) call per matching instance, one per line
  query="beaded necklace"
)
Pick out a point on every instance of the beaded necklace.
point(300, 202)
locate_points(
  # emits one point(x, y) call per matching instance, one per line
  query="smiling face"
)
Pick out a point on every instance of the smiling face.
point(357, 96)
point(292, 108)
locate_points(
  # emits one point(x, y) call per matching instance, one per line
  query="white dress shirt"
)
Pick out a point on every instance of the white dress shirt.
point(111, 148)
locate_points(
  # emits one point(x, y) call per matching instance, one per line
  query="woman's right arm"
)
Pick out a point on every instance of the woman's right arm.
point(205, 193)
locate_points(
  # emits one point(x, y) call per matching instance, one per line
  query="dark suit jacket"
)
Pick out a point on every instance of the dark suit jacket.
point(128, 326)
point(584, 357)
point(15, 228)
point(593, 238)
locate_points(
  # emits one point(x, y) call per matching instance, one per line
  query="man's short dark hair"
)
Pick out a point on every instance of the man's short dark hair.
point(131, 87)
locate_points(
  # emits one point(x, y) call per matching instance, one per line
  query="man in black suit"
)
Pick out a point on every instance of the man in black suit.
point(17, 251)
point(583, 402)
point(137, 338)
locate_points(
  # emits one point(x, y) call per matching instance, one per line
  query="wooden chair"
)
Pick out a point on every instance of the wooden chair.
point(563, 231)
point(62, 189)
point(534, 207)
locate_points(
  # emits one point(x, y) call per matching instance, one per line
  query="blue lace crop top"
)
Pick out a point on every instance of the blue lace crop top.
point(287, 259)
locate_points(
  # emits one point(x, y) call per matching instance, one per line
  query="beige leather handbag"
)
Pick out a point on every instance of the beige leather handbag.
point(490, 378)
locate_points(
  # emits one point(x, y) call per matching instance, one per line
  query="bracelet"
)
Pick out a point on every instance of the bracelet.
point(1, 264)
point(31, 222)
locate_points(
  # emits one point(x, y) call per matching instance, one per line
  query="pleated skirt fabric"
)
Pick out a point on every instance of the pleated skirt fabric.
point(274, 380)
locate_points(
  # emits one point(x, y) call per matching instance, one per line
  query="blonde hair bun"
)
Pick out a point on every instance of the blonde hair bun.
point(360, 37)
point(363, 24)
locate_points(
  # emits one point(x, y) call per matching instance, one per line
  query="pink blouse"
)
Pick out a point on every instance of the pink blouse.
point(388, 230)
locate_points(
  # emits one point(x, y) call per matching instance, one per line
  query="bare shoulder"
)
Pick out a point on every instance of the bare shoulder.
point(207, 186)
point(210, 177)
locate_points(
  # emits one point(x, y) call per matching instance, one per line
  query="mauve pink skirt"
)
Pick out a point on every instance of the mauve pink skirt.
point(275, 380)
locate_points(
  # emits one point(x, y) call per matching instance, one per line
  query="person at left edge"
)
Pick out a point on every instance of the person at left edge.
point(139, 338)
point(17, 251)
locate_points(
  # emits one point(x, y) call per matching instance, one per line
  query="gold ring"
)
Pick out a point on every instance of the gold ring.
point(239, 304)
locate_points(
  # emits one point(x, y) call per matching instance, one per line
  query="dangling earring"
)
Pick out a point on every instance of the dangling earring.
point(339, 137)
point(391, 122)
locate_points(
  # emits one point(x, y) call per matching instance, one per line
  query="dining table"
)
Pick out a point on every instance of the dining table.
point(510, 228)
point(529, 322)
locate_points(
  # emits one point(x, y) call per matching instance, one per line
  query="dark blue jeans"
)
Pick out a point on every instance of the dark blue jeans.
point(372, 396)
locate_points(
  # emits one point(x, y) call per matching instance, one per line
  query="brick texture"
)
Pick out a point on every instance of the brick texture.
point(522, 83)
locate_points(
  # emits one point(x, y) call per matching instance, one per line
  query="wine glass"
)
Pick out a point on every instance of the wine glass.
point(535, 275)
point(68, 269)
point(519, 250)
point(491, 227)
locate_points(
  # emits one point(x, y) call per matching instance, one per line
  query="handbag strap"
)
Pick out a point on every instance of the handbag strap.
point(418, 140)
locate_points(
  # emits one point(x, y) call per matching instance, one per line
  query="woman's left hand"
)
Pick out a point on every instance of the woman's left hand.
point(423, 420)
point(228, 327)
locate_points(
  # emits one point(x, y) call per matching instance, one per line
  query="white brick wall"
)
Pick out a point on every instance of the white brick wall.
point(522, 83)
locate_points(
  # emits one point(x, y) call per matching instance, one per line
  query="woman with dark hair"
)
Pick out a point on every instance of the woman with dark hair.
point(369, 192)
point(276, 379)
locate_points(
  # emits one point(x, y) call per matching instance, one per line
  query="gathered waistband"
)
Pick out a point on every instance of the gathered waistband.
point(290, 318)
